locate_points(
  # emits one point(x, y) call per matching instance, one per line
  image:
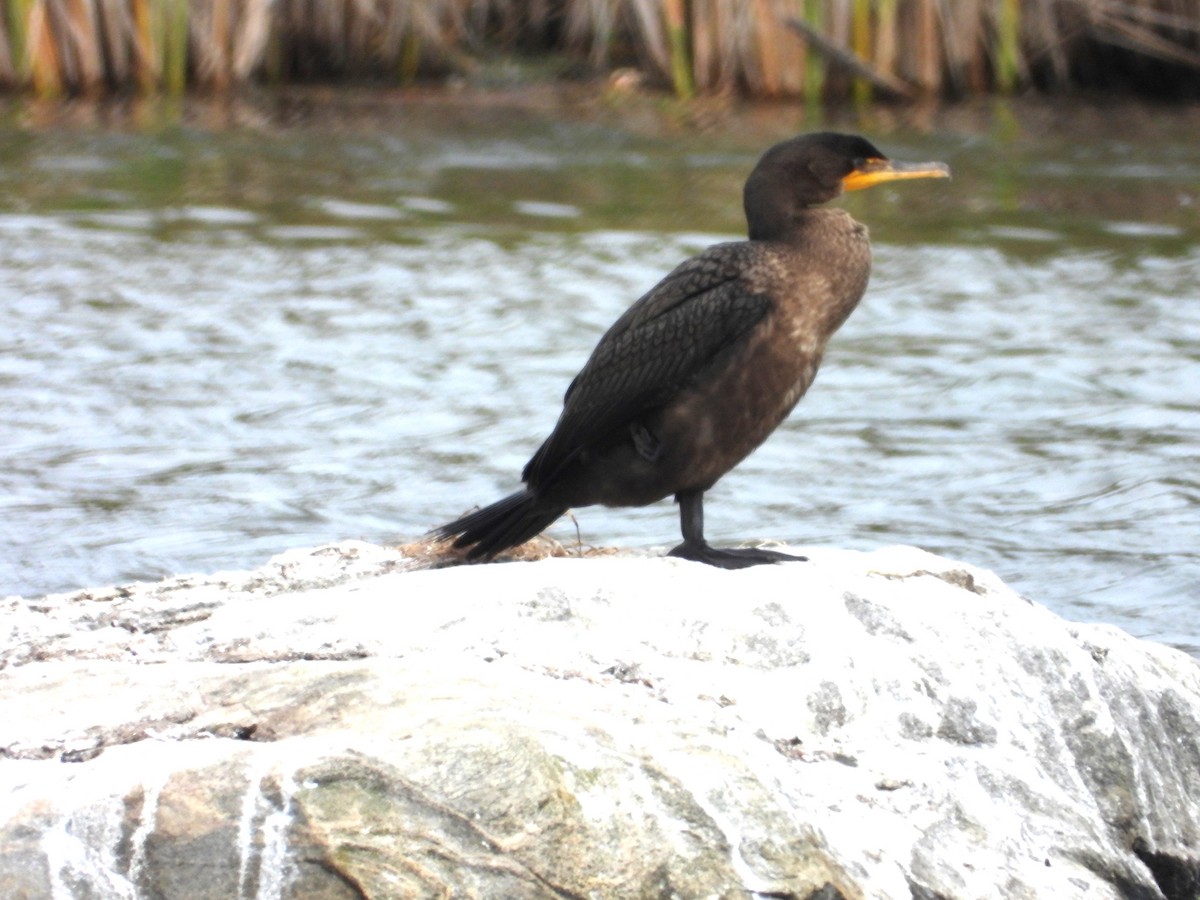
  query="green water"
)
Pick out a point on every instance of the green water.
point(237, 327)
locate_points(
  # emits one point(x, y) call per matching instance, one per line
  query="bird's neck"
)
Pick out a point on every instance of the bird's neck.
point(788, 225)
point(830, 248)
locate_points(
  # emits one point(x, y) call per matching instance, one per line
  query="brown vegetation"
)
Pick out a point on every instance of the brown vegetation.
point(821, 49)
point(437, 554)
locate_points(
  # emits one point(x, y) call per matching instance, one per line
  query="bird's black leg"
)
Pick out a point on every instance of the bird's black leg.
point(694, 547)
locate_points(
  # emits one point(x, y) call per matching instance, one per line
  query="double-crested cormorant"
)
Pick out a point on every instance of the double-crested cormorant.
point(698, 372)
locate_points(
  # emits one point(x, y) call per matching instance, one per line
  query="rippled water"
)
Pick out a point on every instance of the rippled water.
point(354, 318)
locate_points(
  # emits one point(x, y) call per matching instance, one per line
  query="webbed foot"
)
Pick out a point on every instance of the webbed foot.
point(731, 559)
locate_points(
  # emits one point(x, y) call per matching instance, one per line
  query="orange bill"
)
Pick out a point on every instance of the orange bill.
point(871, 172)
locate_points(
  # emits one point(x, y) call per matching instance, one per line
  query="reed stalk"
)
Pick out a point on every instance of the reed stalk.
point(792, 52)
point(409, 60)
point(1046, 42)
point(770, 65)
point(8, 72)
point(833, 49)
point(974, 49)
point(681, 65)
point(814, 70)
point(142, 59)
point(250, 38)
point(886, 37)
point(837, 30)
point(1008, 44)
point(861, 42)
point(173, 45)
point(218, 43)
point(17, 19)
point(927, 57)
point(115, 20)
point(653, 44)
point(45, 64)
point(590, 27)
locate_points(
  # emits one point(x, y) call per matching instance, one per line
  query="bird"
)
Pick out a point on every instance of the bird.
point(701, 369)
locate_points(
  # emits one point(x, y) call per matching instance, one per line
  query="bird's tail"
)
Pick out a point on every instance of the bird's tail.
point(506, 523)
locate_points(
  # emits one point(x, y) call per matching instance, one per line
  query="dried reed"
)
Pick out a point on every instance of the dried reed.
point(840, 48)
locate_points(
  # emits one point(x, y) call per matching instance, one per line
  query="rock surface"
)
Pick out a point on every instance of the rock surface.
point(339, 724)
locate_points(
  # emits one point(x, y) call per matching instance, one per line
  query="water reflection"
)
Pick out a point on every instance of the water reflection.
point(222, 344)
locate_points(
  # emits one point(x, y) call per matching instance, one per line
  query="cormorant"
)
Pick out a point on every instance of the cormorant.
point(699, 371)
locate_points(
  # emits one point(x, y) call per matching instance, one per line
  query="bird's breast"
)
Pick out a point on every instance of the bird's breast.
point(721, 420)
point(817, 277)
point(813, 288)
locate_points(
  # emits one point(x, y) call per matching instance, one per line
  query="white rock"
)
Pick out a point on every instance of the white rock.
point(339, 724)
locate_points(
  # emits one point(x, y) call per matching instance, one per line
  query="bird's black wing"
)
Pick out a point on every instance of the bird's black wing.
point(654, 351)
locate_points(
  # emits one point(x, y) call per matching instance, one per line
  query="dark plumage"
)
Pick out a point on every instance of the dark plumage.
point(699, 371)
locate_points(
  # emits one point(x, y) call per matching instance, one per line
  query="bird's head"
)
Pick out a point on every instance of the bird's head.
point(813, 169)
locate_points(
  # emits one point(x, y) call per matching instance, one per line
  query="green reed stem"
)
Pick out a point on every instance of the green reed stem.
point(1008, 45)
point(681, 64)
